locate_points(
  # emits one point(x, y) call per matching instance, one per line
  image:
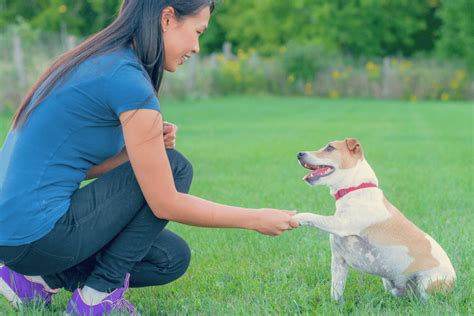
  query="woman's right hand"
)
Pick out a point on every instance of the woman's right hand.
point(274, 222)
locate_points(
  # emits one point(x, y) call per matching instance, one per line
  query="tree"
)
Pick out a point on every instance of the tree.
point(457, 31)
point(80, 17)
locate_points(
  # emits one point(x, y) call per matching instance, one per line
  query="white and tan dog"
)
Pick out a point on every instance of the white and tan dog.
point(367, 232)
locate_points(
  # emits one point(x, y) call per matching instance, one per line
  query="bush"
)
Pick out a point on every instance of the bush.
point(308, 70)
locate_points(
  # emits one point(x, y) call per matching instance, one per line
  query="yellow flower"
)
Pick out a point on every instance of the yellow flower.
point(282, 50)
point(336, 75)
point(460, 74)
point(308, 89)
point(232, 68)
point(454, 84)
point(444, 96)
point(373, 69)
point(291, 78)
point(62, 8)
point(413, 98)
point(334, 94)
point(241, 54)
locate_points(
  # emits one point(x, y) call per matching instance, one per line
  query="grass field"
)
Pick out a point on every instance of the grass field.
point(243, 151)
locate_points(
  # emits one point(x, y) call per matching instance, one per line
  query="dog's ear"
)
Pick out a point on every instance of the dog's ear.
point(354, 146)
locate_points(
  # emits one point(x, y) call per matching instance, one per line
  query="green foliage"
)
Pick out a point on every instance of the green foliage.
point(306, 60)
point(457, 32)
point(311, 70)
point(366, 28)
point(79, 17)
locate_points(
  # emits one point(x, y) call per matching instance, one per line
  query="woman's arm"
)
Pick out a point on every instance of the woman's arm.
point(143, 132)
point(109, 164)
point(170, 131)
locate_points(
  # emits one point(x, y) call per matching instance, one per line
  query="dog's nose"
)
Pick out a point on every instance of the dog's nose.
point(300, 155)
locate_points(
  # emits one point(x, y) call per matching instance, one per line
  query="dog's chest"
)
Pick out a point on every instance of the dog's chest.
point(360, 254)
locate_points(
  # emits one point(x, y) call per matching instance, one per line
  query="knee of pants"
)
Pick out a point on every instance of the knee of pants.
point(185, 259)
point(186, 169)
point(181, 166)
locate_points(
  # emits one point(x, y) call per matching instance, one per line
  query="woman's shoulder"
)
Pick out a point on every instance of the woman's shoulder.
point(107, 64)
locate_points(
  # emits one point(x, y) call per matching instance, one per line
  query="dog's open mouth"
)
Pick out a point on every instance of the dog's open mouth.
point(319, 171)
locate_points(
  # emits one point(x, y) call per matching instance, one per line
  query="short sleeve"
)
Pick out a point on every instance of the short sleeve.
point(129, 88)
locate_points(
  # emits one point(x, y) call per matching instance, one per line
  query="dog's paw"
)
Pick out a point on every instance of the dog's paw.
point(305, 219)
point(336, 297)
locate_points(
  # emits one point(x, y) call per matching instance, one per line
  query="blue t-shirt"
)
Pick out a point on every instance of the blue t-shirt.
point(75, 127)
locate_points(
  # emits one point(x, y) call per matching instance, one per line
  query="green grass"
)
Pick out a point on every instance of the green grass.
point(244, 153)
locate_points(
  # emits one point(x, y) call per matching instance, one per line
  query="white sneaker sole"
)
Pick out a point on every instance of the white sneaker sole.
point(8, 293)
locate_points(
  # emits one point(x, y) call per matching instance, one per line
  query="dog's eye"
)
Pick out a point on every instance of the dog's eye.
point(329, 148)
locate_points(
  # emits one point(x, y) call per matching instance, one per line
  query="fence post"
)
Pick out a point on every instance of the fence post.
point(19, 60)
point(68, 41)
point(190, 82)
point(227, 50)
point(386, 78)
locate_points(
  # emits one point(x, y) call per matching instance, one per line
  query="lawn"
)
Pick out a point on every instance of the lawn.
point(243, 151)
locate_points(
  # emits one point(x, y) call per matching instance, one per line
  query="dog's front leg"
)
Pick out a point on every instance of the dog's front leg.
point(339, 269)
point(338, 226)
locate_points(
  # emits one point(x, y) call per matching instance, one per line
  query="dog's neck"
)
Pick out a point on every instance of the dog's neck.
point(353, 177)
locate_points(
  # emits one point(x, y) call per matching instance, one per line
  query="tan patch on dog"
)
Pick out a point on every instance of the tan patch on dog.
point(440, 286)
point(399, 231)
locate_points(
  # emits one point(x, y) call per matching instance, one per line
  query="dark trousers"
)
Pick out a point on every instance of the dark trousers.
point(109, 230)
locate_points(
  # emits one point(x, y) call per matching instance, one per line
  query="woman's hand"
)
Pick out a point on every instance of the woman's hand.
point(274, 222)
point(169, 135)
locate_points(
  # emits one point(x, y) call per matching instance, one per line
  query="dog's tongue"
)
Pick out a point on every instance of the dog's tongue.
point(318, 172)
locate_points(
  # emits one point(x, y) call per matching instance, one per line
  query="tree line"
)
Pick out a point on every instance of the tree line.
point(369, 28)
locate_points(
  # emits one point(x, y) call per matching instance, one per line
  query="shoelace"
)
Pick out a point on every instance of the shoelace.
point(123, 305)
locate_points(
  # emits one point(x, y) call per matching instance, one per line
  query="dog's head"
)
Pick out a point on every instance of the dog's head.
point(329, 164)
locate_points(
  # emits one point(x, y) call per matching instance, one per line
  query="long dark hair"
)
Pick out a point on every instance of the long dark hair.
point(138, 24)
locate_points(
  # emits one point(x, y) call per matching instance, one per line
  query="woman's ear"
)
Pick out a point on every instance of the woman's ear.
point(167, 17)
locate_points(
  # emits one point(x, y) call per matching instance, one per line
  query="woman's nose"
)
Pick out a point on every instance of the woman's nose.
point(196, 48)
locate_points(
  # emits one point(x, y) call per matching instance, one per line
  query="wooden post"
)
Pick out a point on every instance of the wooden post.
point(71, 42)
point(19, 61)
point(386, 78)
point(190, 82)
point(227, 50)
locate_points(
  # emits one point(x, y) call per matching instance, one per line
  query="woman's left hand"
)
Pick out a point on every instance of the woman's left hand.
point(169, 135)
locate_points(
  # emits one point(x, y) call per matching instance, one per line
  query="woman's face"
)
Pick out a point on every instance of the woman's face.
point(181, 38)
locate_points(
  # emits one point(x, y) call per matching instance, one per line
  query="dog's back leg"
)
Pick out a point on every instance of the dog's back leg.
point(387, 284)
point(441, 282)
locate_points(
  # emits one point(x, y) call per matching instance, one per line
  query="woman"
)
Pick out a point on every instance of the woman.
point(95, 102)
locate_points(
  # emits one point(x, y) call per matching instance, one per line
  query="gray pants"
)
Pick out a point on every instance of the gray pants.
point(109, 230)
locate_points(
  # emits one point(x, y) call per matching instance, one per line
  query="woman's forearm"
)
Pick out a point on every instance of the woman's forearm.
point(109, 164)
point(193, 210)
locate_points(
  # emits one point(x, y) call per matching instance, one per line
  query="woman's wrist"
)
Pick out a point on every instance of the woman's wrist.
point(253, 220)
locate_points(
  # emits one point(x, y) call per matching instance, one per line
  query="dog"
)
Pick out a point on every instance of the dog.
point(367, 232)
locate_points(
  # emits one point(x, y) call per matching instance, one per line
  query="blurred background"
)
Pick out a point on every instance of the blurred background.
point(392, 49)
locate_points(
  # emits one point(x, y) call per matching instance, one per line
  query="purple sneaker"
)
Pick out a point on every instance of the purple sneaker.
point(114, 302)
point(17, 289)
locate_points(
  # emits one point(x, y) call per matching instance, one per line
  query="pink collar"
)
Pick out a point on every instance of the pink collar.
point(339, 194)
